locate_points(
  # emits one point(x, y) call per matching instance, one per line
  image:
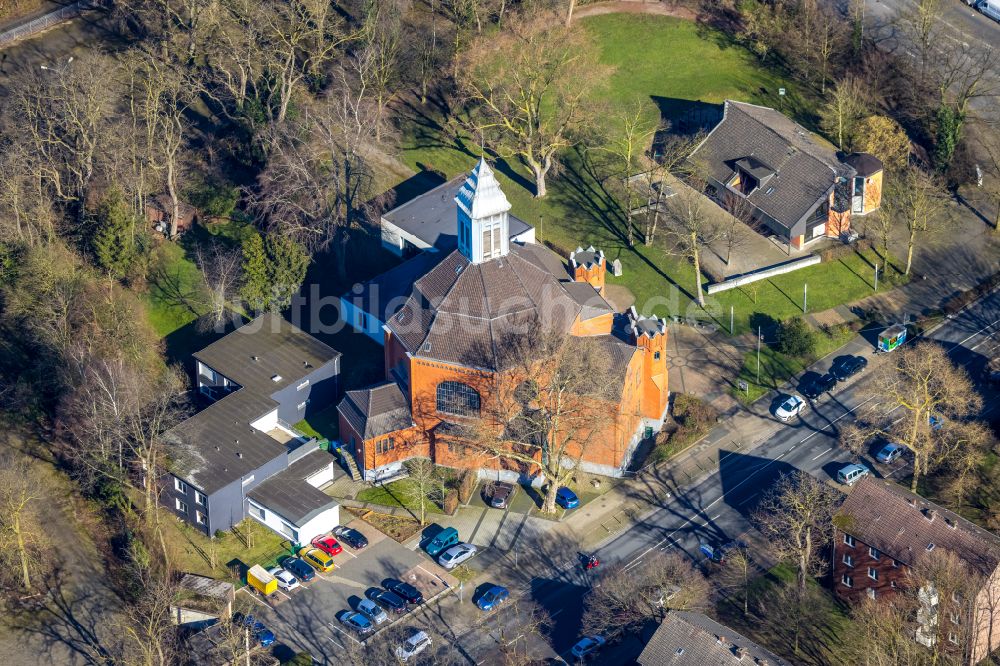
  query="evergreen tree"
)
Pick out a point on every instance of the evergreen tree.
point(114, 239)
point(287, 263)
point(256, 288)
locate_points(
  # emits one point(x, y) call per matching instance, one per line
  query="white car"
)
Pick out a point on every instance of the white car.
point(373, 611)
point(455, 555)
point(587, 645)
point(286, 581)
point(413, 645)
point(790, 408)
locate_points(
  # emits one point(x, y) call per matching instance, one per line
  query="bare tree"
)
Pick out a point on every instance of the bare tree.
point(377, 61)
point(319, 180)
point(941, 582)
point(625, 599)
point(528, 90)
point(921, 382)
point(914, 201)
point(736, 576)
point(26, 211)
point(221, 266)
point(301, 38)
point(549, 402)
point(628, 148)
point(846, 105)
point(692, 227)
point(885, 633)
point(23, 539)
point(796, 517)
point(422, 478)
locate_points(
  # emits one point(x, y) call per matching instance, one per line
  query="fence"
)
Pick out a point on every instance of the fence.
point(44, 22)
point(747, 278)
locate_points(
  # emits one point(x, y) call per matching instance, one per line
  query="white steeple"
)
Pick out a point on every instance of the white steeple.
point(483, 226)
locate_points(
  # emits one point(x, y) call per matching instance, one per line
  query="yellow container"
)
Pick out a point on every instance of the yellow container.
point(259, 579)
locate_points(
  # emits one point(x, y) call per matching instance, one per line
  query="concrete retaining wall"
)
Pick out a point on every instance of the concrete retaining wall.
point(763, 274)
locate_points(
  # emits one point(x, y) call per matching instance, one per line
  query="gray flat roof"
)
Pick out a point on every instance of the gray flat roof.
point(433, 217)
point(218, 445)
point(267, 347)
point(289, 495)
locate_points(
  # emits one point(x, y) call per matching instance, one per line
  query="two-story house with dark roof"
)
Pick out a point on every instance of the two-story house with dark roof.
point(881, 533)
point(685, 638)
point(240, 455)
point(779, 177)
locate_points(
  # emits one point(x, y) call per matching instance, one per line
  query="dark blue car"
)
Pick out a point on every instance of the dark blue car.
point(299, 569)
point(566, 498)
point(492, 598)
point(263, 634)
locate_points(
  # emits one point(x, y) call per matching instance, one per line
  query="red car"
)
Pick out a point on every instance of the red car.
point(328, 545)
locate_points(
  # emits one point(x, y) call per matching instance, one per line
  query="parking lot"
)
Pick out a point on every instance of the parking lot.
point(306, 618)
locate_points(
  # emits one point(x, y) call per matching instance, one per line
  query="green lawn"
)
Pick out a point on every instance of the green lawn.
point(324, 425)
point(680, 69)
point(826, 632)
point(397, 493)
point(175, 298)
point(192, 551)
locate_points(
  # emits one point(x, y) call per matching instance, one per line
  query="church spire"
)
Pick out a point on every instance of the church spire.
point(483, 226)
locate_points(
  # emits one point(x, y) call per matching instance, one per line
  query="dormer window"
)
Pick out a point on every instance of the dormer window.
point(749, 175)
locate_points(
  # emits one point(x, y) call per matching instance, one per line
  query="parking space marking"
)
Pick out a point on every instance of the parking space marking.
point(333, 626)
point(254, 597)
point(748, 498)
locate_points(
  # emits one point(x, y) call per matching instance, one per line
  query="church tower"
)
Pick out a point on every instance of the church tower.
point(483, 227)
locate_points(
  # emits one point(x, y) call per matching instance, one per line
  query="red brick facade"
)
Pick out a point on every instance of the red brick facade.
point(857, 561)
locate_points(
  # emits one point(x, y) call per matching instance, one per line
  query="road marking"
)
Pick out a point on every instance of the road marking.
point(959, 344)
point(718, 499)
point(748, 499)
point(824, 453)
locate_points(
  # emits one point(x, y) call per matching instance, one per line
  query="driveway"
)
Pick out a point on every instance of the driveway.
point(305, 619)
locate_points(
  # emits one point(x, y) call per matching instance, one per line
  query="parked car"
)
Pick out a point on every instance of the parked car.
point(388, 600)
point(455, 555)
point(286, 581)
point(413, 645)
point(359, 622)
point(317, 559)
point(351, 537)
point(372, 611)
point(500, 494)
point(328, 545)
point(300, 569)
point(851, 474)
point(889, 453)
point(566, 498)
point(409, 593)
point(790, 408)
point(492, 598)
point(263, 635)
point(848, 367)
point(717, 553)
point(445, 539)
point(587, 646)
point(820, 385)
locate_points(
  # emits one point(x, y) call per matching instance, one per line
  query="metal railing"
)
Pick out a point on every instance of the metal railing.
point(44, 22)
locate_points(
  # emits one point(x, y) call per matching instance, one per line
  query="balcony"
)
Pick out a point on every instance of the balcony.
point(286, 434)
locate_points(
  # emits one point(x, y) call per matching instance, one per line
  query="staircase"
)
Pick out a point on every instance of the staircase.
point(351, 465)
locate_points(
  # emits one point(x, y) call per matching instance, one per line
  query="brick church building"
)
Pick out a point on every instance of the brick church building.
point(453, 308)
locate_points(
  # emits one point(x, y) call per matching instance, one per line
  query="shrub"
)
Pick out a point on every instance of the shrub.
point(450, 502)
point(836, 252)
point(692, 420)
point(466, 485)
point(795, 338)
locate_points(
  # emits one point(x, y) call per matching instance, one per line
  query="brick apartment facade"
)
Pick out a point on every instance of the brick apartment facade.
point(883, 530)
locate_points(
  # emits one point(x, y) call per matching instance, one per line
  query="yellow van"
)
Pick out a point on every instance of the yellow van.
point(317, 559)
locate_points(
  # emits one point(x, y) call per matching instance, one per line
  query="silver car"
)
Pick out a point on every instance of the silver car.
point(455, 555)
point(413, 645)
point(373, 611)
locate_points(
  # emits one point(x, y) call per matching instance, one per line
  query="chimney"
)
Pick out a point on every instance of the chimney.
point(741, 652)
point(722, 641)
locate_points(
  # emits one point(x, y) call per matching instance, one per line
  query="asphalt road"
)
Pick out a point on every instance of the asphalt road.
point(717, 508)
